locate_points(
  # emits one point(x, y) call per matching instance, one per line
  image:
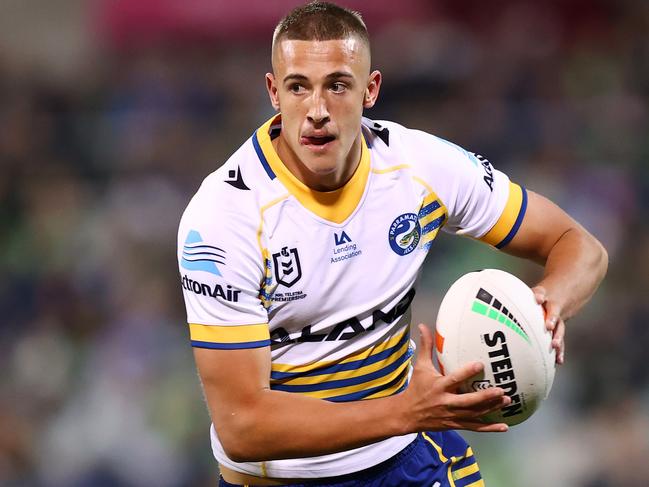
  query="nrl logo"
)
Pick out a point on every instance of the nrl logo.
point(287, 266)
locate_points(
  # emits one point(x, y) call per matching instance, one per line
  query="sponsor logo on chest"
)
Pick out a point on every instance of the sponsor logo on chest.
point(344, 248)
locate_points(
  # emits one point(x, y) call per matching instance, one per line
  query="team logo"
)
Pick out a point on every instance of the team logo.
point(198, 256)
point(287, 266)
point(404, 233)
point(236, 179)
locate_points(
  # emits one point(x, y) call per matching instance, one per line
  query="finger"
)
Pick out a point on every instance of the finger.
point(484, 408)
point(558, 342)
point(552, 315)
point(478, 425)
point(540, 294)
point(479, 399)
point(453, 380)
point(425, 343)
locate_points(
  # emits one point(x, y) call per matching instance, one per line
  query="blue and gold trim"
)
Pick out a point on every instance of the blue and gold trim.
point(510, 220)
point(378, 371)
point(432, 216)
point(335, 206)
point(462, 470)
point(262, 157)
point(229, 337)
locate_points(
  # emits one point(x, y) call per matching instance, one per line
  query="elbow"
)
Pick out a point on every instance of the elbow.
point(238, 453)
point(601, 259)
point(240, 441)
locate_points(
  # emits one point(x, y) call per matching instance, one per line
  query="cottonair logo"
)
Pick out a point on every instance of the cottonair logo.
point(404, 233)
point(198, 256)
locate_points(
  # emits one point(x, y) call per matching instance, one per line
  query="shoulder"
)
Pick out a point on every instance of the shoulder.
point(439, 163)
point(227, 203)
point(418, 146)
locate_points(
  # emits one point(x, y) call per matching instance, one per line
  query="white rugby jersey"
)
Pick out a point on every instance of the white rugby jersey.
point(326, 278)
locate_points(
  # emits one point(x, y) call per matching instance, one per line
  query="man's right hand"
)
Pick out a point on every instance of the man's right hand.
point(433, 403)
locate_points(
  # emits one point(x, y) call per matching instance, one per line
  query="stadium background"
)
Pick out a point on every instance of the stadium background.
point(111, 113)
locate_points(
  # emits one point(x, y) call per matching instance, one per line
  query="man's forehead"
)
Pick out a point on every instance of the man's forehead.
point(350, 51)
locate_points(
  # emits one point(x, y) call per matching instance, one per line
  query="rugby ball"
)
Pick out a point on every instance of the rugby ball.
point(492, 316)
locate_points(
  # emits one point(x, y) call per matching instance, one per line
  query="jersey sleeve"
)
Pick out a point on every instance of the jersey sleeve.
point(221, 270)
point(481, 202)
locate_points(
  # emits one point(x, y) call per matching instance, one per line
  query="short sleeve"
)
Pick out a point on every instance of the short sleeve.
point(480, 201)
point(221, 269)
point(485, 205)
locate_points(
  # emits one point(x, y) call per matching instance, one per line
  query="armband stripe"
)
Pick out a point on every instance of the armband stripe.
point(238, 335)
point(230, 346)
point(510, 219)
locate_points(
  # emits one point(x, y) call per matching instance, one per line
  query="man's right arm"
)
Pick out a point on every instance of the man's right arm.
point(255, 423)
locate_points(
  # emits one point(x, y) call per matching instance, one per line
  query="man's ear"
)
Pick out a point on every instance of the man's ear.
point(271, 87)
point(372, 90)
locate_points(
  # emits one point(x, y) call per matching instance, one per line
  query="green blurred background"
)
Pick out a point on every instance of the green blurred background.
point(113, 111)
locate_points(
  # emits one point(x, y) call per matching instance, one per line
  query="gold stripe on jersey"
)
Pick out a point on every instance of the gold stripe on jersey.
point(266, 287)
point(391, 169)
point(315, 378)
point(390, 390)
point(335, 206)
point(335, 393)
point(432, 217)
point(509, 218)
point(379, 371)
point(360, 355)
point(239, 336)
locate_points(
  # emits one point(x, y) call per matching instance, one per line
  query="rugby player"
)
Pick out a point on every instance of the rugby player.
point(299, 259)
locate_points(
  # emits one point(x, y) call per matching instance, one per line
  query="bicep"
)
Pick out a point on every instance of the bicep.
point(232, 379)
point(543, 225)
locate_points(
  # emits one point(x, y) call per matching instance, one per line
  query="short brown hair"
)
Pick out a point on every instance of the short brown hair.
point(321, 21)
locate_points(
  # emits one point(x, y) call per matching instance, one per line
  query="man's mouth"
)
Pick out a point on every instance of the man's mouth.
point(317, 139)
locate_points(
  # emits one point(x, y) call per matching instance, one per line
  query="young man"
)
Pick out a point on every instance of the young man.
point(299, 259)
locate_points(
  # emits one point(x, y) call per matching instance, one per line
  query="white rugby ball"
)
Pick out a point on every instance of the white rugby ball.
point(492, 316)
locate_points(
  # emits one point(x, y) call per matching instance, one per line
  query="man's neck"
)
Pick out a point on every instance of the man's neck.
point(319, 182)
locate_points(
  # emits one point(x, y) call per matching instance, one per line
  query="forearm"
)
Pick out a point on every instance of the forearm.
point(276, 424)
point(574, 268)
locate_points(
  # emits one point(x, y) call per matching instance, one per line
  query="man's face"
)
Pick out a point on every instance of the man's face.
point(321, 88)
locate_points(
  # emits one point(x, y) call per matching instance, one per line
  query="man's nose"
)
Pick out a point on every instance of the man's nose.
point(318, 112)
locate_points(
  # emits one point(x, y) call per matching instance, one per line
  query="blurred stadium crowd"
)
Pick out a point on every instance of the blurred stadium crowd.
point(98, 386)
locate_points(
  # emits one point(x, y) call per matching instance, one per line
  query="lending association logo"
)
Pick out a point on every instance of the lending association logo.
point(287, 266)
point(198, 256)
point(345, 248)
point(404, 233)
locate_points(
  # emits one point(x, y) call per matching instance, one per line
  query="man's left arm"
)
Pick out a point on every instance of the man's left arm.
point(575, 262)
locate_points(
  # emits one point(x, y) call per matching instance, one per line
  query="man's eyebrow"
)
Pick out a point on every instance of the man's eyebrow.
point(340, 74)
point(301, 77)
point(294, 77)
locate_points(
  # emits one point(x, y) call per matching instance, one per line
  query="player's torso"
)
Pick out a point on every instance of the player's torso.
point(338, 290)
point(327, 278)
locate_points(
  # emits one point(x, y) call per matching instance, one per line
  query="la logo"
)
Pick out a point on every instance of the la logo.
point(344, 238)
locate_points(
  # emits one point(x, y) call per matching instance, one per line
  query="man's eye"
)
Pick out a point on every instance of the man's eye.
point(296, 88)
point(338, 87)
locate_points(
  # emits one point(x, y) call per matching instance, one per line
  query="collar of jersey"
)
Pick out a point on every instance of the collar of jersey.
point(335, 206)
